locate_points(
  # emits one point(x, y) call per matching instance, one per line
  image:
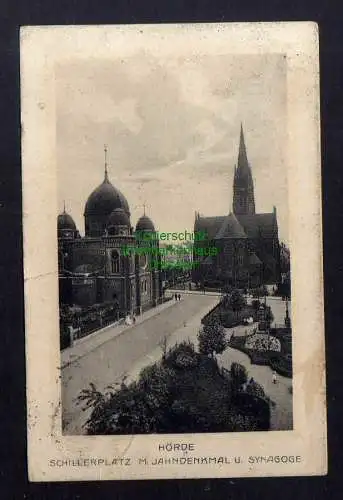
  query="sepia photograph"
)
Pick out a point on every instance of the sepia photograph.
point(184, 270)
point(174, 260)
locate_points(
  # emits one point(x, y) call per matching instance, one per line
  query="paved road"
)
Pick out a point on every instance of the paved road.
point(139, 346)
point(129, 353)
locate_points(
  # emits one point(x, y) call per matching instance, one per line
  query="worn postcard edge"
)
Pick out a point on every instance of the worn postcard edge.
point(41, 47)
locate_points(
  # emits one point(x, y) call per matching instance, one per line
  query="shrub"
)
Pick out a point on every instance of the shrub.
point(181, 356)
point(255, 304)
point(261, 291)
point(239, 376)
point(168, 398)
point(212, 338)
point(235, 301)
point(255, 389)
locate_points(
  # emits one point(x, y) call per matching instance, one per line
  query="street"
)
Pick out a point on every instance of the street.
point(128, 353)
point(137, 346)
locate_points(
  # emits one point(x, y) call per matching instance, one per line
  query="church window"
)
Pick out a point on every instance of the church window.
point(115, 261)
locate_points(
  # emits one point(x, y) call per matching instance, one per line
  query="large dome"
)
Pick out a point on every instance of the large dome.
point(145, 224)
point(104, 199)
point(65, 221)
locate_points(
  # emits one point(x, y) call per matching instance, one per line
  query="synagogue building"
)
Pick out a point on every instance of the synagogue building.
point(94, 269)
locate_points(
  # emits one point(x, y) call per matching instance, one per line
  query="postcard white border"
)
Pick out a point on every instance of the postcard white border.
point(41, 47)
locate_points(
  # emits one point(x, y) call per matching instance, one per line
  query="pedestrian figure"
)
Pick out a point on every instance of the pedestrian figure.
point(175, 296)
point(179, 297)
point(274, 377)
point(134, 319)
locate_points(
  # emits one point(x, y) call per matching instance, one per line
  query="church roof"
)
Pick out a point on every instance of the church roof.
point(258, 225)
point(254, 260)
point(230, 228)
point(238, 226)
point(209, 224)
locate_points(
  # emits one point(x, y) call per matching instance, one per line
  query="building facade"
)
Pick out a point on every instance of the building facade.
point(242, 248)
point(96, 269)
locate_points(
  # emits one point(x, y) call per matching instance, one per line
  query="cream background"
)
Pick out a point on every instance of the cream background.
point(172, 127)
point(42, 48)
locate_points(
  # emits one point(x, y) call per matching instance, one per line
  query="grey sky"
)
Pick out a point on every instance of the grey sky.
point(172, 130)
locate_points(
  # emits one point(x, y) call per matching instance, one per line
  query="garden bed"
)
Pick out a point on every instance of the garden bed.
point(228, 318)
point(280, 362)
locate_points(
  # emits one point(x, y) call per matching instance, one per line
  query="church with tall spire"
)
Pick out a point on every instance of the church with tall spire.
point(95, 269)
point(243, 185)
point(247, 243)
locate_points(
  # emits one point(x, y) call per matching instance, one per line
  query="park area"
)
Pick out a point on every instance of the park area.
point(264, 344)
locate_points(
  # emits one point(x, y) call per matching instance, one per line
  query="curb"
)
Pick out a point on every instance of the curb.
point(116, 335)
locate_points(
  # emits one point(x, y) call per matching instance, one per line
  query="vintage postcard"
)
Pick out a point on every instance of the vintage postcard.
point(172, 251)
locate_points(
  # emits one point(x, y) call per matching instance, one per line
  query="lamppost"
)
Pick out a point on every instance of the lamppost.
point(287, 318)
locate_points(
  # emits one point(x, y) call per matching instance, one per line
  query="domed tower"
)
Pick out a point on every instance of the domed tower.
point(144, 223)
point(148, 264)
point(101, 203)
point(66, 227)
point(118, 223)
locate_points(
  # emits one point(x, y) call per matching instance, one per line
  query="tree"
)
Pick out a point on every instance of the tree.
point(285, 258)
point(185, 392)
point(212, 338)
point(269, 316)
point(261, 291)
point(236, 302)
point(227, 289)
point(239, 376)
point(255, 389)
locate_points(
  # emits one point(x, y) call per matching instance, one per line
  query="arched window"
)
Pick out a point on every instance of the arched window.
point(143, 261)
point(145, 286)
point(115, 261)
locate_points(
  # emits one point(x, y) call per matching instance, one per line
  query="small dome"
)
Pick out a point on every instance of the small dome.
point(145, 224)
point(65, 221)
point(118, 218)
point(104, 199)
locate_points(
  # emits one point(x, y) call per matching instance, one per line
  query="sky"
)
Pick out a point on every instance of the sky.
point(171, 126)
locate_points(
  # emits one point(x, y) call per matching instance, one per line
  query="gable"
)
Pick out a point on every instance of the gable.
point(209, 224)
point(259, 225)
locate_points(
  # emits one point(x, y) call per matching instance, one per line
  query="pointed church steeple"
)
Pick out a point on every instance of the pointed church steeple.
point(243, 186)
point(242, 153)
